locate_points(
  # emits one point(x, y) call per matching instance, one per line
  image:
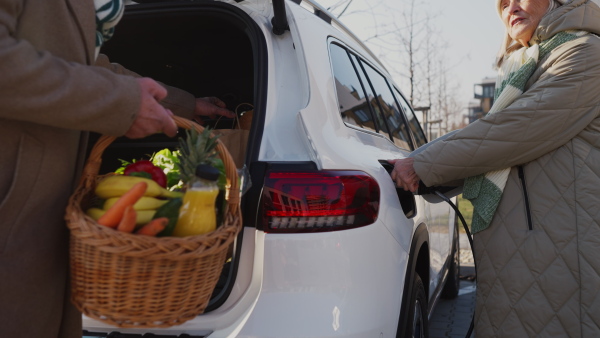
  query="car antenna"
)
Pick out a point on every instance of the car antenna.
point(279, 21)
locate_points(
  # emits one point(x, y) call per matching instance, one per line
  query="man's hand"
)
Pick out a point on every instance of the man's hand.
point(211, 107)
point(152, 118)
point(404, 174)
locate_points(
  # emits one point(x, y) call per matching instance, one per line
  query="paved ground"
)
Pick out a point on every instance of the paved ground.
point(451, 318)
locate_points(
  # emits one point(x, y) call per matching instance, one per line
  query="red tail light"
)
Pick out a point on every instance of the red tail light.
point(318, 201)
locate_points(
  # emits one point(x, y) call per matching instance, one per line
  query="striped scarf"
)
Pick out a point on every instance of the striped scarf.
point(485, 190)
point(108, 14)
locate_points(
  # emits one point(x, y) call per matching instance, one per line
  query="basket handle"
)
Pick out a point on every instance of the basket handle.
point(92, 165)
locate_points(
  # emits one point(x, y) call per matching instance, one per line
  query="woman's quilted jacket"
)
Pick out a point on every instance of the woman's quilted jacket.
point(538, 263)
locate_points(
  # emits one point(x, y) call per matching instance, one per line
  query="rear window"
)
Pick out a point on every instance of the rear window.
point(376, 108)
point(392, 115)
point(366, 99)
point(352, 101)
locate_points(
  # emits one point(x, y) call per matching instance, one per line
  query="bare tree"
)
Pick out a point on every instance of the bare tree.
point(447, 105)
point(408, 41)
point(345, 4)
point(345, 8)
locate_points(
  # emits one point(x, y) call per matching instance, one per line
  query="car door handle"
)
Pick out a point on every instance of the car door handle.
point(407, 199)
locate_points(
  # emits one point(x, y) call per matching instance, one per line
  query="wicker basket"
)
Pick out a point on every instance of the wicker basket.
point(130, 280)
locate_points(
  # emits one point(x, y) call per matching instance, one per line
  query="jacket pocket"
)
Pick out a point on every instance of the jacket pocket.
point(26, 170)
point(525, 197)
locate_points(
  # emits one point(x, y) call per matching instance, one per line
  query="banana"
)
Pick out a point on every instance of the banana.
point(117, 185)
point(142, 216)
point(144, 203)
point(94, 213)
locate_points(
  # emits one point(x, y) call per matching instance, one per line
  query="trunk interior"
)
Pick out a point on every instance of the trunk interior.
point(204, 47)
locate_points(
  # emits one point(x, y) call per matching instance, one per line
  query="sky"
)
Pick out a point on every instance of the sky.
point(471, 29)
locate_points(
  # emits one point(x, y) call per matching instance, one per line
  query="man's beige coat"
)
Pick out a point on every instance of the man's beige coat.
point(539, 279)
point(48, 95)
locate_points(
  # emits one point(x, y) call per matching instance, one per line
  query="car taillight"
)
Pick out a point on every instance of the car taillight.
point(318, 201)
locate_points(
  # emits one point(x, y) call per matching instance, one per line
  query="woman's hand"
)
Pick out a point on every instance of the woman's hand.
point(152, 118)
point(404, 174)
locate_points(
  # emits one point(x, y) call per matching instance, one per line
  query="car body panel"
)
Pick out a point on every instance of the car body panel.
point(346, 283)
point(338, 144)
point(313, 278)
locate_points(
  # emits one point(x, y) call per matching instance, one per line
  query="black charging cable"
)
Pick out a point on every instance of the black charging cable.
point(462, 219)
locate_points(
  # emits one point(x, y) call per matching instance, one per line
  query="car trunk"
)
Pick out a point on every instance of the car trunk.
point(207, 48)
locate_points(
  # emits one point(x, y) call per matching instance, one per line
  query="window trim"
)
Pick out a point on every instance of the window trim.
point(412, 142)
point(395, 91)
point(364, 73)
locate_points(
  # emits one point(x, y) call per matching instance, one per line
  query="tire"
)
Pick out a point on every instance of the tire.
point(418, 324)
point(450, 290)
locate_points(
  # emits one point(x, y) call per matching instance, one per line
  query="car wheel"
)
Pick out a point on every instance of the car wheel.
point(451, 287)
point(419, 324)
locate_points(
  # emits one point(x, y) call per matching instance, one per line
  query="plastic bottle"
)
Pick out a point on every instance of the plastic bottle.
point(197, 214)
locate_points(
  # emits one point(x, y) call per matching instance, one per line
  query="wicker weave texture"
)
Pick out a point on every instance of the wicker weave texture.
point(130, 280)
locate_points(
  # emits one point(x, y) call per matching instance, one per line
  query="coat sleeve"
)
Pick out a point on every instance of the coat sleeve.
point(555, 109)
point(38, 87)
point(180, 102)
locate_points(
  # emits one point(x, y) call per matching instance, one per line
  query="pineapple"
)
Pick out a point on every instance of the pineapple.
point(196, 148)
point(200, 148)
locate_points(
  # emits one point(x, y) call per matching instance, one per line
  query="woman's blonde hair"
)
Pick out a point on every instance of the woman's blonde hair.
point(509, 45)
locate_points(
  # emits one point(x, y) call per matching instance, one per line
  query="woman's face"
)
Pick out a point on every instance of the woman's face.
point(521, 17)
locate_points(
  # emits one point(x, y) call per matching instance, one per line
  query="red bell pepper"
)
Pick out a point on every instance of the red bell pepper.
point(145, 166)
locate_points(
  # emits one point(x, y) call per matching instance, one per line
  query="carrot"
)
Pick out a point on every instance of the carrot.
point(127, 223)
point(114, 214)
point(154, 227)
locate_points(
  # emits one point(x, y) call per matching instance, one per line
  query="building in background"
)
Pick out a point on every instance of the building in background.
point(484, 99)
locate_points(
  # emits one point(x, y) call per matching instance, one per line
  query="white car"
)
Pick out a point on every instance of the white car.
point(329, 246)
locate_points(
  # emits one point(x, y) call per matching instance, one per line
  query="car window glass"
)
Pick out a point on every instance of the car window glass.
point(413, 123)
point(389, 109)
point(352, 101)
point(379, 116)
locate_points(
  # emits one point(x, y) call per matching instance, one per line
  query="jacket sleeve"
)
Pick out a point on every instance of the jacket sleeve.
point(39, 87)
point(180, 102)
point(556, 108)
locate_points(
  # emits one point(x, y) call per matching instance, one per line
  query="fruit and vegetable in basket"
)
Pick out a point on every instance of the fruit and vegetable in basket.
point(142, 216)
point(117, 185)
point(175, 193)
point(197, 216)
point(145, 168)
